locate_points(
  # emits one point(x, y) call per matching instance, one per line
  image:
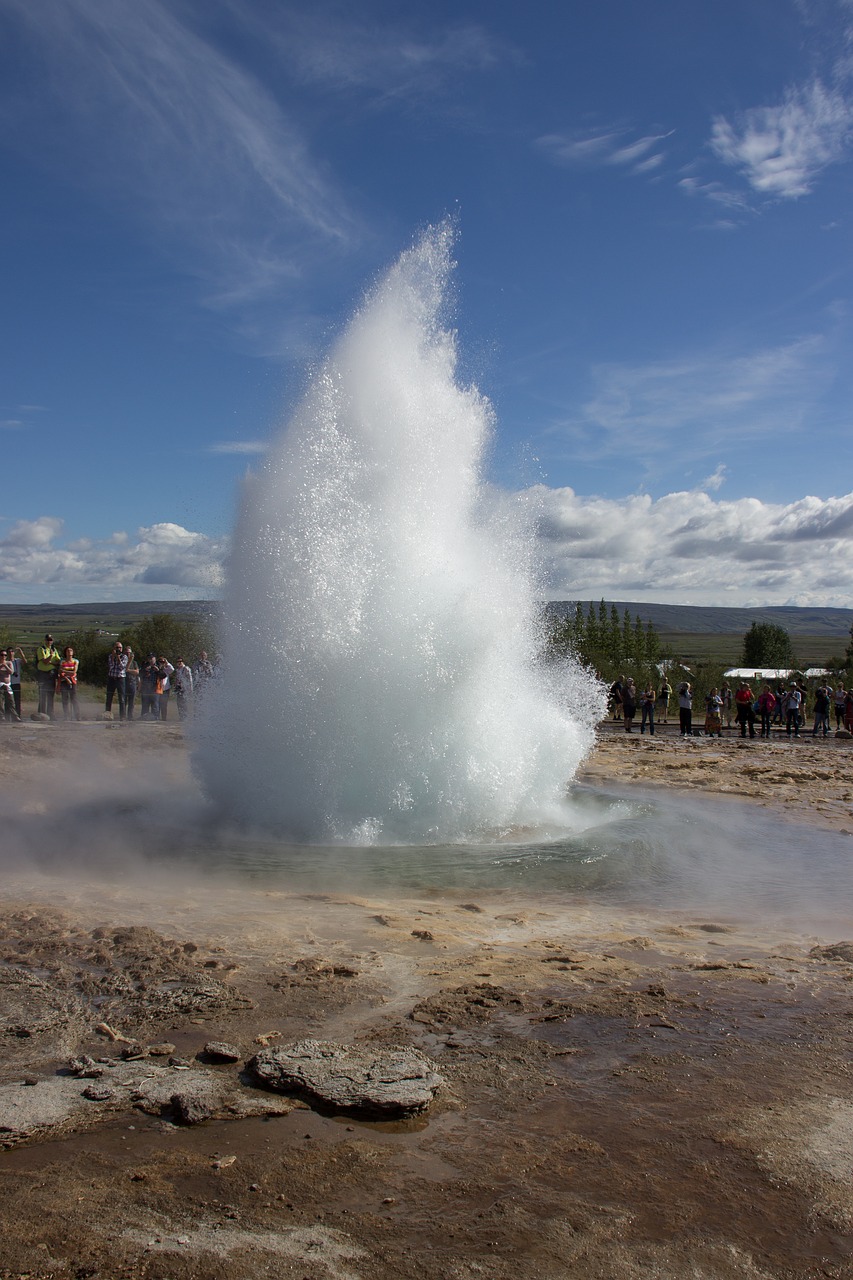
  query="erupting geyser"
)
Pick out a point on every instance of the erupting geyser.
point(384, 680)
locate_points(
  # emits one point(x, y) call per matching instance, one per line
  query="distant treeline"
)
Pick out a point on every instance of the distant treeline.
point(609, 644)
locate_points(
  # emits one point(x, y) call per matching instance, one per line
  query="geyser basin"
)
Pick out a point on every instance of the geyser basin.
point(383, 649)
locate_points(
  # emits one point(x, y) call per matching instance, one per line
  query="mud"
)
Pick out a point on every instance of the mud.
point(627, 1092)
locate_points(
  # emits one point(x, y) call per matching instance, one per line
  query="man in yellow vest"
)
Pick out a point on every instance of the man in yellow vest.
point(47, 665)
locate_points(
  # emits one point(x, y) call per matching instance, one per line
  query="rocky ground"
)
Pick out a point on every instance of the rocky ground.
point(619, 1091)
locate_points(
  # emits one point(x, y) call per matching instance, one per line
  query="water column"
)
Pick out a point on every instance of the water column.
point(384, 679)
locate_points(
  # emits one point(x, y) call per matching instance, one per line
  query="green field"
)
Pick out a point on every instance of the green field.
point(27, 624)
point(696, 636)
point(696, 648)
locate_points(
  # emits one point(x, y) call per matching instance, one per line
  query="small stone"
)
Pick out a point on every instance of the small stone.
point(423, 934)
point(190, 1108)
point(220, 1051)
point(85, 1068)
point(132, 1050)
point(161, 1050)
point(98, 1093)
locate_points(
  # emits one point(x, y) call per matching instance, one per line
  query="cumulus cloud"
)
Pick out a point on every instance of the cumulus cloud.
point(688, 547)
point(34, 552)
point(691, 548)
point(781, 150)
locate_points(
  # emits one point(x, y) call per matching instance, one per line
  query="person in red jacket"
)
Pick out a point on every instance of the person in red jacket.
point(744, 698)
point(766, 707)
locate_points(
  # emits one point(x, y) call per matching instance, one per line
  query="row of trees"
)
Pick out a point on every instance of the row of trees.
point(610, 645)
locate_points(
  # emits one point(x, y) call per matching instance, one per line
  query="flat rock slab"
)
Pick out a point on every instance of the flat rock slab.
point(66, 1103)
point(391, 1082)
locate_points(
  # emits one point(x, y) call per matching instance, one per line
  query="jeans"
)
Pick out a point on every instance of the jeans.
point(130, 687)
point(792, 721)
point(685, 720)
point(70, 705)
point(648, 714)
point(47, 689)
point(115, 684)
point(821, 721)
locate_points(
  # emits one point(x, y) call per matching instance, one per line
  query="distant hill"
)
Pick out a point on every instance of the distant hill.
point(688, 619)
point(667, 619)
point(110, 611)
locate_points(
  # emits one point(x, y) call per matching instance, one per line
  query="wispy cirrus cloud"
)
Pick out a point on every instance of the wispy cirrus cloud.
point(781, 150)
point(393, 60)
point(232, 447)
point(692, 548)
point(695, 405)
point(613, 146)
point(140, 100)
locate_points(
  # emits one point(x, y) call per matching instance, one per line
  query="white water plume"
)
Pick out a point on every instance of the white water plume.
point(384, 679)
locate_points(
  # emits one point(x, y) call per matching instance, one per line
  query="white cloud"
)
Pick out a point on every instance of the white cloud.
point(697, 403)
point(390, 60)
point(686, 547)
point(690, 548)
point(34, 552)
point(142, 103)
point(611, 146)
point(238, 447)
point(781, 150)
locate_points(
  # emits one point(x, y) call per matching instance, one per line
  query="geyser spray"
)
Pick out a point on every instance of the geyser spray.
point(384, 679)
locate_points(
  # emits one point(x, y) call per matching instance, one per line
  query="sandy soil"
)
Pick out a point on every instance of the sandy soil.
point(627, 1092)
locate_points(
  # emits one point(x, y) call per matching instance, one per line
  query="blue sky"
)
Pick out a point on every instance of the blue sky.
point(653, 286)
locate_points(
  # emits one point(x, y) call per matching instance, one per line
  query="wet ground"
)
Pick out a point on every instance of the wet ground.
point(628, 1090)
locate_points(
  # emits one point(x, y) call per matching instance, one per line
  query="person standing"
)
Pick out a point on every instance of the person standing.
point(66, 679)
point(183, 682)
point(148, 677)
point(821, 711)
point(685, 709)
point(766, 705)
point(793, 702)
point(728, 698)
point(47, 663)
point(616, 692)
point(116, 677)
point(647, 708)
point(744, 700)
point(131, 682)
point(629, 705)
point(664, 695)
point(713, 714)
point(18, 663)
point(165, 671)
point(839, 698)
point(7, 701)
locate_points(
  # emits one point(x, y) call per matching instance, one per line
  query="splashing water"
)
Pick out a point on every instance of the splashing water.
point(382, 626)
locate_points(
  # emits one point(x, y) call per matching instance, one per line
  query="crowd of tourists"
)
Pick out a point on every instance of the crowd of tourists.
point(740, 708)
point(141, 687)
